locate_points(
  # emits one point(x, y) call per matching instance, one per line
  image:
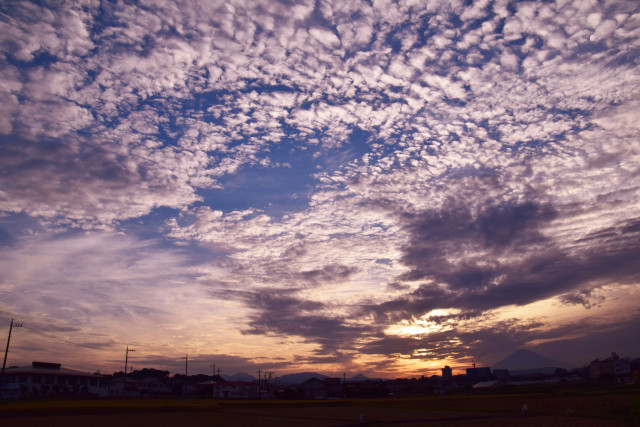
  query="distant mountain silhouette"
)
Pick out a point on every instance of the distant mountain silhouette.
point(300, 377)
point(528, 360)
point(357, 378)
point(240, 376)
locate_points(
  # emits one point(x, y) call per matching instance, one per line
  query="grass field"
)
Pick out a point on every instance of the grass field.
point(605, 408)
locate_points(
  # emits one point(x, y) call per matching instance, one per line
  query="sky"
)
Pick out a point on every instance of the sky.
point(362, 186)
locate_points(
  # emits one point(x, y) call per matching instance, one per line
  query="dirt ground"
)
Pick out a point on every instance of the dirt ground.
point(272, 417)
point(543, 410)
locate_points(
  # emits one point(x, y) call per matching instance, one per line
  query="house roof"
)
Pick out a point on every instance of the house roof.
point(149, 380)
point(487, 384)
point(120, 379)
point(48, 368)
point(228, 383)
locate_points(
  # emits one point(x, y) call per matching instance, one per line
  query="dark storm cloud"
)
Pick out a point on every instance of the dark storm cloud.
point(337, 358)
point(456, 343)
point(280, 312)
point(497, 229)
point(417, 302)
point(519, 265)
point(439, 345)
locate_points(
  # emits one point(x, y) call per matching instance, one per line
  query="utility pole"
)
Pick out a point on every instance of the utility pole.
point(186, 365)
point(259, 391)
point(6, 352)
point(126, 362)
point(268, 381)
point(344, 384)
point(213, 381)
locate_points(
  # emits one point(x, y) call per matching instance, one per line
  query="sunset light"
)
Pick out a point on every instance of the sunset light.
point(347, 187)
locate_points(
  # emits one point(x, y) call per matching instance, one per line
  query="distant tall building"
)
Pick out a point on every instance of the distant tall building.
point(479, 374)
point(447, 374)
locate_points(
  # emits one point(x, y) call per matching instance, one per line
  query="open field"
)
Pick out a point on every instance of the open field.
point(593, 409)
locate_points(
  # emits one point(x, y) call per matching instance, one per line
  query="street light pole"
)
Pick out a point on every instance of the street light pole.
point(126, 361)
point(6, 352)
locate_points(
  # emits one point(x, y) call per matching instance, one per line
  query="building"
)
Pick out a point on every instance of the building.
point(333, 387)
point(492, 384)
point(227, 389)
point(313, 388)
point(232, 389)
point(613, 367)
point(479, 374)
point(327, 388)
point(153, 386)
point(116, 387)
point(43, 379)
point(139, 387)
point(501, 374)
point(447, 373)
point(366, 389)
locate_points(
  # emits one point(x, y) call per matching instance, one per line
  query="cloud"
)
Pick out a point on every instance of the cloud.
point(500, 256)
point(85, 184)
point(163, 53)
point(453, 156)
point(587, 297)
point(203, 363)
point(29, 30)
point(282, 313)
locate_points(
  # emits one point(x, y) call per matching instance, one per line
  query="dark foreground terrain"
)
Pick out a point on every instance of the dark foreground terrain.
point(593, 408)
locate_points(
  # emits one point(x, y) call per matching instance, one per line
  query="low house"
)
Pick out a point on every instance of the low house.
point(612, 367)
point(334, 387)
point(43, 379)
point(501, 374)
point(327, 388)
point(117, 384)
point(313, 388)
point(367, 389)
point(492, 384)
point(233, 390)
point(153, 386)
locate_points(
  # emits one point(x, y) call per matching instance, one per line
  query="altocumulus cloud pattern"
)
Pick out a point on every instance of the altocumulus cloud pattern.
point(374, 186)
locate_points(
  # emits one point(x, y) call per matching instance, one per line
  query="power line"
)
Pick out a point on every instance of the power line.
point(63, 339)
